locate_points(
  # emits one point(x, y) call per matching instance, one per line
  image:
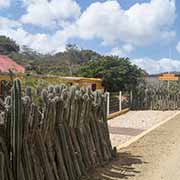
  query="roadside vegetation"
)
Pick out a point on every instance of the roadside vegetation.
point(118, 73)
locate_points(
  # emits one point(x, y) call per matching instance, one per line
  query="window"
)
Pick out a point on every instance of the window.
point(93, 87)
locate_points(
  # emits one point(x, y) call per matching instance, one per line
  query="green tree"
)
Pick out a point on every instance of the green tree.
point(117, 73)
point(7, 45)
point(87, 55)
point(72, 56)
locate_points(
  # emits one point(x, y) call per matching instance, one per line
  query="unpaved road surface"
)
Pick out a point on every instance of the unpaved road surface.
point(156, 156)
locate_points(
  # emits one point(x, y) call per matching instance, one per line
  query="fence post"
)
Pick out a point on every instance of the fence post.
point(107, 96)
point(131, 99)
point(120, 100)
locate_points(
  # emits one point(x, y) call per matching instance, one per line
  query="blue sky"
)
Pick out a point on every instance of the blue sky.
point(146, 31)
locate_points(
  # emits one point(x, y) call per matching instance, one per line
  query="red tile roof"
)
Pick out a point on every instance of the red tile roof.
point(7, 64)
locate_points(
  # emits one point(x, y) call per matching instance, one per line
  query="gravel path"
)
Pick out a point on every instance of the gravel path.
point(154, 157)
point(126, 126)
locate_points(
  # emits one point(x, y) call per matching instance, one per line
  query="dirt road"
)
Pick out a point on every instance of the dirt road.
point(154, 157)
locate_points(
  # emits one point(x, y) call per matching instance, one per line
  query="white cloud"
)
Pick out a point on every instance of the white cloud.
point(140, 24)
point(153, 66)
point(40, 42)
point(4, 3)
point(8, 23)
point(117, 52)
point(122, 51)
point(178, 47)
point(128, 48)
point(51, 14)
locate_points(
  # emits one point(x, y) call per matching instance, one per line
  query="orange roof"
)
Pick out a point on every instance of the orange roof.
point(7, 64)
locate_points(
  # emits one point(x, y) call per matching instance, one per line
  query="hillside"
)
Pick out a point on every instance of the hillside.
point(116, 72)
point(63, 63)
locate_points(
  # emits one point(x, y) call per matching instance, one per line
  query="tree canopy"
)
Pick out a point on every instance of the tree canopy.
point(7, 45)
point(117, 73)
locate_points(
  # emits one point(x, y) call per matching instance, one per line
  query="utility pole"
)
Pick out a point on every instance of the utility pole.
point(168, 85)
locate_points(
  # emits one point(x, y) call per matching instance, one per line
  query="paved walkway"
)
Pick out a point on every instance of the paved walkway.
point(131, 124)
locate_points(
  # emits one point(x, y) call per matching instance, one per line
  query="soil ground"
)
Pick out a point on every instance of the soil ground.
point(156, 156)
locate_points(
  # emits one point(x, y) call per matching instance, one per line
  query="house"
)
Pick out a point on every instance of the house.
point(157, 79)
point(92, 83)
point(7, 64)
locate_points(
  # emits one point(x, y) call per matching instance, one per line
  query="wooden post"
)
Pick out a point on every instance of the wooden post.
point(131, 99)
point(107, 95)
point(120, 100)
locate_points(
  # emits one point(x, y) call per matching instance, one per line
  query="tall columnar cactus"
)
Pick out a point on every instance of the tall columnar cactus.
point(63, 138)
point(16, 129)
point(28, 92)
point(2, 166)
point(7, 101)
point(44, 96)
point(57, 90)
point(50, 89)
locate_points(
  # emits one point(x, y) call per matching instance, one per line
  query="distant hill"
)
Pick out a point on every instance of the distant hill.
point(63, 63)
point(117, 73)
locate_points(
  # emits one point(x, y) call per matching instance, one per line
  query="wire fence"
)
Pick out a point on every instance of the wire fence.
point(118, 101)
point(114, 102)
point(126, 99)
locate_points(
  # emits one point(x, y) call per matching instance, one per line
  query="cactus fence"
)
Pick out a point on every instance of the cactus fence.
point(161, 97)
point(61, 140)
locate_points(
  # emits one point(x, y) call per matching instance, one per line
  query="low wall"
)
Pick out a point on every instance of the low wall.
point(113, 115)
